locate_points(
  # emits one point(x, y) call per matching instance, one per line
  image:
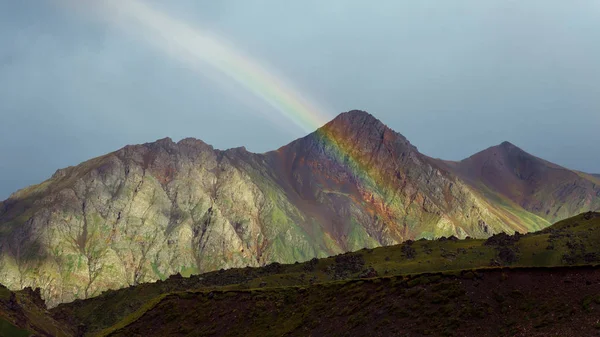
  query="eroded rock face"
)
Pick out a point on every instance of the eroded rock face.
point(148, 211)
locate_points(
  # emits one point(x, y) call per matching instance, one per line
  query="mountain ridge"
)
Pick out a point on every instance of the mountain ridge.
point(193, 140)
point(148, 211)
point(529, 181)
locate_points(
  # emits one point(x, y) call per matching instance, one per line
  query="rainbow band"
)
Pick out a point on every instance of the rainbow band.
point(196, 48)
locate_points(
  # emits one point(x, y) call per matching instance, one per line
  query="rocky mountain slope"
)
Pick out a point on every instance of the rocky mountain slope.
point(505, 285)
point(540, 187)
point(148, 211)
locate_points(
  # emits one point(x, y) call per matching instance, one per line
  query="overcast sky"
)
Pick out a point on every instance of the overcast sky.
point(454, 77)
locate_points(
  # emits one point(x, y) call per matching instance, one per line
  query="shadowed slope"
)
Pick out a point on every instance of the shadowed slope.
point(522, 303)
point(543, 188)
point(24, 314)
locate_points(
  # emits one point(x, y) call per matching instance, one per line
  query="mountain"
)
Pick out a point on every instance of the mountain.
point(24, 314)
point(505, 285)
point(506, 172)
point(486, 302)
point(148, 211)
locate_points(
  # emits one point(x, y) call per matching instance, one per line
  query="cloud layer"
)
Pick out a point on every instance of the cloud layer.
point(454, 77)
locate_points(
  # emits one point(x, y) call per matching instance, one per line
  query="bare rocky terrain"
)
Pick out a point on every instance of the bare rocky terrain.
point(545, 283)
point(145, 212)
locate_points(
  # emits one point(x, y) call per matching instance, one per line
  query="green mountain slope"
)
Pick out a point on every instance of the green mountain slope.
point(573, 242)
point(482, 303)
point(536, 284)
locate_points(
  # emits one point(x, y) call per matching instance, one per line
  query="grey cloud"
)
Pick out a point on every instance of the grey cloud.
point(454, 77)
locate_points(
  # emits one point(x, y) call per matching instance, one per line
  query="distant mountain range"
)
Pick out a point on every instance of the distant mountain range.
point(148, 211)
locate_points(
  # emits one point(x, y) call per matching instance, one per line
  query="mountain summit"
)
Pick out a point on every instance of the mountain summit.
point(148, 211)
point(540, 187)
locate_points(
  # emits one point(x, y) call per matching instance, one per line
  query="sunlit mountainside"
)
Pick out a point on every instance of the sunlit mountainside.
point(146, 212)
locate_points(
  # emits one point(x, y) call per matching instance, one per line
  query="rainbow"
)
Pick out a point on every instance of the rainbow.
point(196, 48)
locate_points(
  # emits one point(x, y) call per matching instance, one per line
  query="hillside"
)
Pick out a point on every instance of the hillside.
point(502, 286)
point(545, 189)
point(146, 212)
point(473, 279)
point(23, 314)
point(523, 303)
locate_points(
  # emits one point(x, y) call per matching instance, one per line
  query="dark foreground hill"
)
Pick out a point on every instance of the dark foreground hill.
point(506, 302)
point(146, 212)
point(538, 284)
point(24, 314)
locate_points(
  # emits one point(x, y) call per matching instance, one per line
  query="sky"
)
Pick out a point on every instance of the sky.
point(454, 77)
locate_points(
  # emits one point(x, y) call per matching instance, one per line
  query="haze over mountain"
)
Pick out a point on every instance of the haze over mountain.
point(148, 211)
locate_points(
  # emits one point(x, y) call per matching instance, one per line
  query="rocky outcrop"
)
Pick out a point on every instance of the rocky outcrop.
point(149, 211)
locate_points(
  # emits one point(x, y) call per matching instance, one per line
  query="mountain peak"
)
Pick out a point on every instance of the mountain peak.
point(505, 152)
point(507, 144)
point(356, 124)
point(509, 148)
point(363, 130)
point(357, 113)
point(356, 118)
point(166, 140)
